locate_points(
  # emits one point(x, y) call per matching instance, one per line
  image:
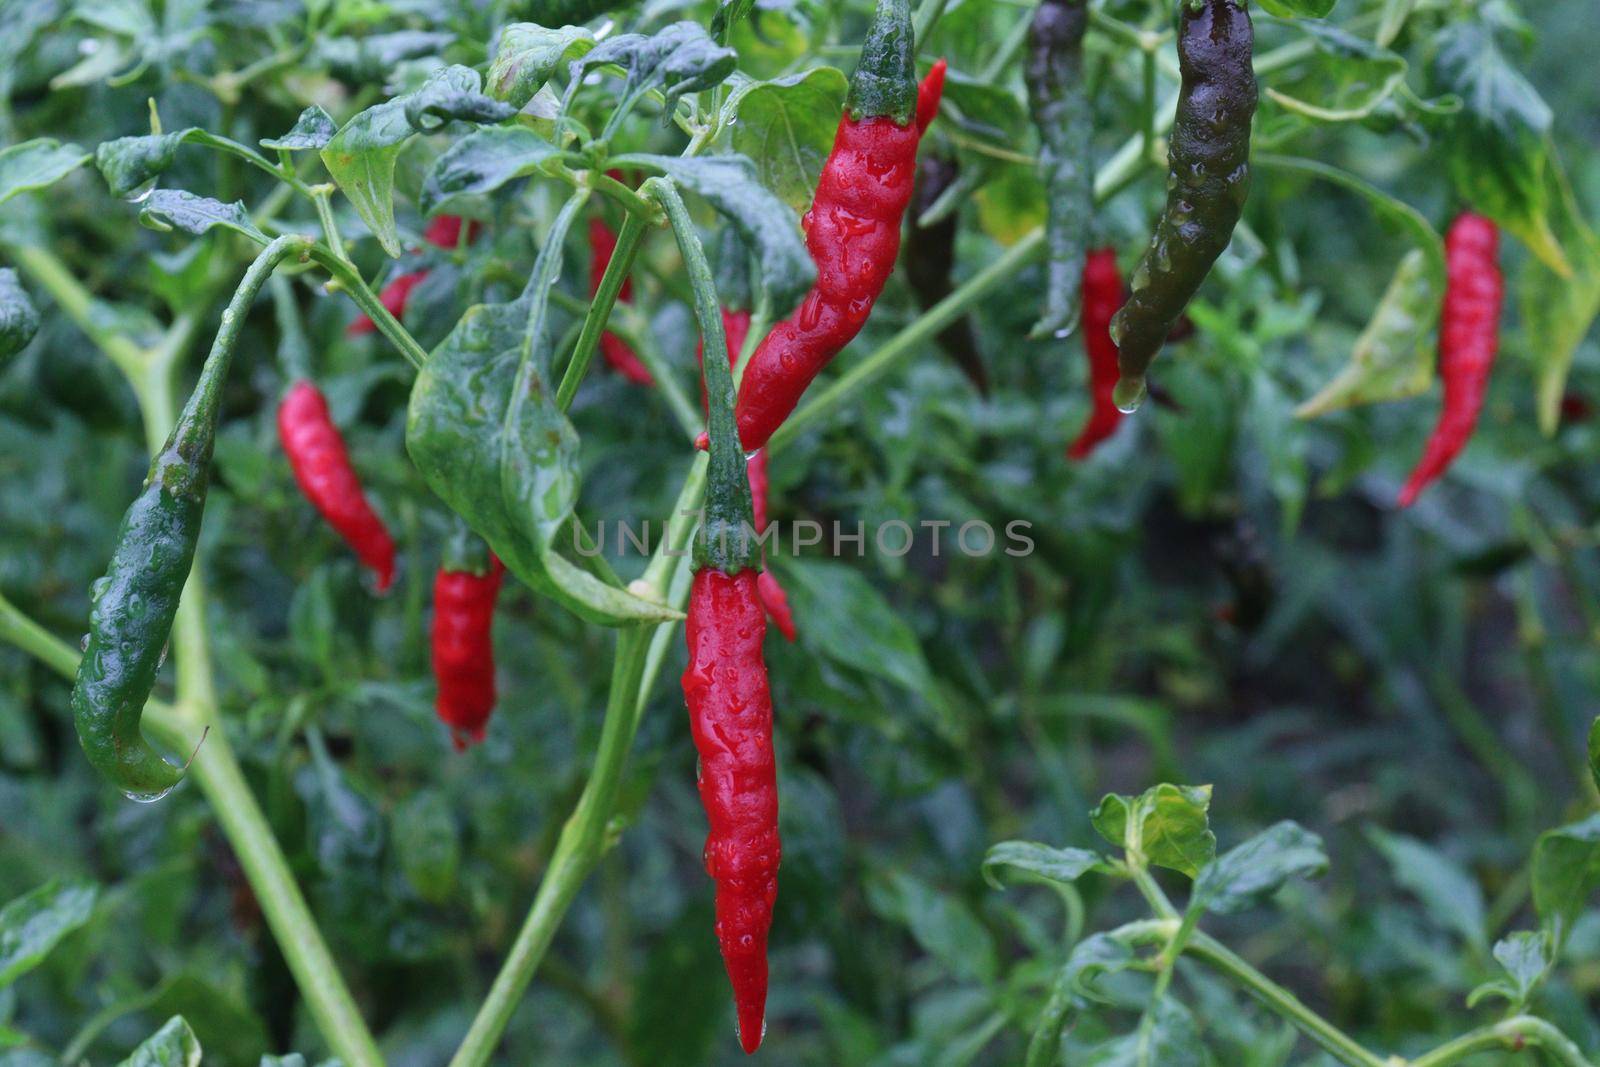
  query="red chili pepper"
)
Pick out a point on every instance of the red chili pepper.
point(736, 327)
point(322, 467)
point(442, 232)
point(853, 234)
point(730, 712)
point(1102, 296)
point(730, 716)
point(623, 360)
point(1469, 335)
point(463, 648)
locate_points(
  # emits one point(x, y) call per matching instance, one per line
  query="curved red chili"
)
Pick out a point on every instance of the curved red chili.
point(853, 234)
point(730, 717)
point(1469, 336)
point(463, 649)
point(623, 360)
point(322, 468)
point(1102, 296)
point(444, 231)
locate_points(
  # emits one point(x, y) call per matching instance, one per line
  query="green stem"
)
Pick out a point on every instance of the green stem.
point(345, 272)
point(322, 196)
point(77, 302)
point(1321, 1032)
point(594, 323)
point(584, 837)
point(217, 773)
point(1516, 1034)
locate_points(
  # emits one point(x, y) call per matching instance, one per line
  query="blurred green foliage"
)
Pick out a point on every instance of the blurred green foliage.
point(1222, 594)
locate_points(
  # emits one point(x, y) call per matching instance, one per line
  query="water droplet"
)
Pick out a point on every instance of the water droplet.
point(165, 649)
point(1129, 394)
point(83, 643)
point(149, 798)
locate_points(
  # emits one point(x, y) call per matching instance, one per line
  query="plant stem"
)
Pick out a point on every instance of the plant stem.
point(594, 323)
point(585, 836)
point(77, 302)
point(1324, 1034)
point(217, 773)
point(290, 920)
point(345, 272)
point(1515, 1034)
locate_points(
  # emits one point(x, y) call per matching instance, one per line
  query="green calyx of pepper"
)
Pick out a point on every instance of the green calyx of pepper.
point(727, 533)
point(466, 551)
point(885, 80)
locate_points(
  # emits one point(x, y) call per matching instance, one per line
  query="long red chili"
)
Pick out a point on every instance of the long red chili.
point(1102, 296)
point(1469, 336)
point(463, 647)
point(321, 465)
point(730, 716)
point(623, 360)
point(730, 713)
point(441, 232)
point(853, 234)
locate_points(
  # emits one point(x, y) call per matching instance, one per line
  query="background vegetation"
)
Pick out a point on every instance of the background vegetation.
point(1223, 594)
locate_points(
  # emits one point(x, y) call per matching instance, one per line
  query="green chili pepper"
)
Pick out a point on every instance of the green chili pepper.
point(1054, 76)
point(136, 601)
point(1208, 179)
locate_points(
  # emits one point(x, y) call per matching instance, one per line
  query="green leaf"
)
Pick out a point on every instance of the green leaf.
point(1558, 311)
point(128, 164)
point(373, 57)
point(1525, 958)
point(1041, 862)
point(1350, 80)
point(1499, 143)
point(174, 1045)
point(1172, 1040)
point(1298, 9)
point(786, 127)
point(427, 844)
point(484, 430)
point(1566, 870)
point(727, 16)
point(312, 130)
point(1392, 359)
point(1594, 753)
point(854, 625)
point(482, 162)
point(941, 924)
point(34, 923)
point(37, 164)
point(361, 160)
point(765, 224)
point(451, 95)
point(1167, 825)
point(528, 57)
point(19, 320)
point(1252, 872)
point(1092, 958)
point(1450, 895)
point(168, 209)
point(678, 59)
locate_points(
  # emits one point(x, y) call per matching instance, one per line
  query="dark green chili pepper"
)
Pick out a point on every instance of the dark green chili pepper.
point(1054, 76)
point(136, 601)
point(930, 253)
point(1208, 179)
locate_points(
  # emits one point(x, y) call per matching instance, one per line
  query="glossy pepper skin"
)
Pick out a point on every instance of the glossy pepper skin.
point(443, 231)
point(1208, 180)
point(322, 468)
point(137, 600)
point(1102, 296)
point(929, 257)
point(462, 643)
point(1060, 109)
point(1469, 337)
point(622, 359)
point(853, 227)
point(730, 711)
